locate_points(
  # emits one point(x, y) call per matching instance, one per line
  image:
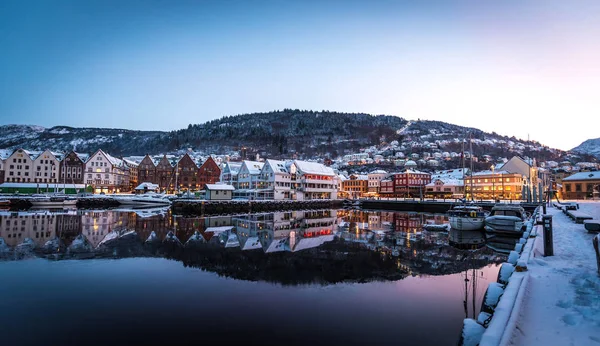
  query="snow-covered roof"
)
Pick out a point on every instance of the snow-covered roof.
point(218, 229)
point(130, 162)
point(252, 243)
point(490, 173)
point(379, 171)
point(414, 171)
point(147, 186)
point(254, 167)
point(113, 160)
point(278, 166)
point(581, 176)
point(276, 245)
point(447, 182)
point(220, 187)
point(307, 243)
point(313, 168)
point(82, 157)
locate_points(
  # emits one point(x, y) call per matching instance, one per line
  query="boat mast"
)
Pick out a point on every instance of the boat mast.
point(471, 154)
point(463, 166)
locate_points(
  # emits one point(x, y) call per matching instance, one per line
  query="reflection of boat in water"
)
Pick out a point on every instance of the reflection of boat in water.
point(466, 239)
point(436, 228)
point(506, 219)
point(500, 243)
point(4, 203)
point(467, 217)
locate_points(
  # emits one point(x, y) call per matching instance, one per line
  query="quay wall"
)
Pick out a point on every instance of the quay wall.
point(428, 205)
point(201, 207)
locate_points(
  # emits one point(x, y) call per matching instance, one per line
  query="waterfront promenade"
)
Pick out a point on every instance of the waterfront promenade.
point(561, 305)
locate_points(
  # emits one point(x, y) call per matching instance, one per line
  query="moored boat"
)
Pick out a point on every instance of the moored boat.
point(50, 201)
point(145, 200)
point(467, 217)
point(506, 219)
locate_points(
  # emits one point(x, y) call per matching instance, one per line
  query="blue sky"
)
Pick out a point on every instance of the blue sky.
point(515, 67)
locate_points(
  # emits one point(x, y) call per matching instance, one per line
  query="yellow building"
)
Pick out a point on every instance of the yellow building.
point(356, 186)
point(494, 185)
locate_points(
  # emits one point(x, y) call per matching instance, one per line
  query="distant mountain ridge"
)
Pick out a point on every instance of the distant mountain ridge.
point(280, 133)
point(589, 147)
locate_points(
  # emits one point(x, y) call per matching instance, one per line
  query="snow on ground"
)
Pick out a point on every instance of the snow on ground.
point(562, 302)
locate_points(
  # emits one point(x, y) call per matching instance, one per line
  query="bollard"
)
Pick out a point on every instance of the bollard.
point(548, 242)
point(544, 207)
point(595, 242)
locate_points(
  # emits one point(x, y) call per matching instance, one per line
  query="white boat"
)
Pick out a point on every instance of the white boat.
point(467, 217)
point(145, 200)
point(506, 219)
point(50, 201)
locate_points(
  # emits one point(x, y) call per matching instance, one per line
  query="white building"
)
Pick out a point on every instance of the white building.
point(248, 176)
point(46, 167)
point(218, 192)
point(106, 173)
point(375, 178)
point(229, 173)
point(276, 180)
point(313, 181)
point(24, 166)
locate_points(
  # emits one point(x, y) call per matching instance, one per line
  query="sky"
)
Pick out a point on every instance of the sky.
point(525, 68)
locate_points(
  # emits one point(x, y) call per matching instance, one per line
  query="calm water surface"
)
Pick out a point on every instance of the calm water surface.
point(296, 278)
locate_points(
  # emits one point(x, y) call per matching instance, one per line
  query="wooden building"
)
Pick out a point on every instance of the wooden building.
point(208, 173)
point(72, 168)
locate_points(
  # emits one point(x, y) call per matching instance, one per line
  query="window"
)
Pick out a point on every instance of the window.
point(568, 187)
point(577, 187)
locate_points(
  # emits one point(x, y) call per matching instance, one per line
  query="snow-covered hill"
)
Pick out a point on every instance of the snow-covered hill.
point(284, 133)
point(591, 147)
point(63, 138)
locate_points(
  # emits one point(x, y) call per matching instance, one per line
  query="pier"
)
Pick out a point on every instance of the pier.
point(429, 206)
point(546, 293)
point(203, 207)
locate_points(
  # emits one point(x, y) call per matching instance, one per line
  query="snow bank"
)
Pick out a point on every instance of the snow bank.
point(506, 270)
point(484, 318)
point(492, 296)
point(471, 333)
point(506, 313)
point(513, 257)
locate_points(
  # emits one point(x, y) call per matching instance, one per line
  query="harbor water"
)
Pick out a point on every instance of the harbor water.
point(96, 277)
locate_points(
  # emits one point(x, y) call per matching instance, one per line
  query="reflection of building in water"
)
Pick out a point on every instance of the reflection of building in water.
point(98, 223)
point(298, 230)
point(159, 224)
point(247, 228)
point(186, 226)
point(408, 222)
point(68, 226)
point(39, 226)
